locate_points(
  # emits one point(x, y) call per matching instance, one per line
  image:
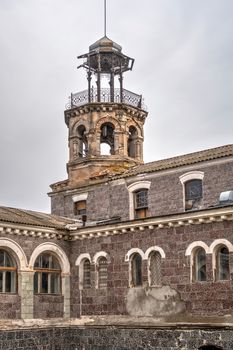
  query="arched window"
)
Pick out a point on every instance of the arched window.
point(107, 139)
point(141, 203)
point(82, 142)
point(47, 278)
point(8, 273)
point(132, 152)
point(193, 194)
point(136, 270)
point(155, 262)
point(102, 272)
point(199, 266)
point(86, 274)
point(222, 263)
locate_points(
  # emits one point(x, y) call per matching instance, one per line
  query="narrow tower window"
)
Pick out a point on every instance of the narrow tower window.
point(80, 208)
point(82, 142)
point(132, 142)
point(107, 139)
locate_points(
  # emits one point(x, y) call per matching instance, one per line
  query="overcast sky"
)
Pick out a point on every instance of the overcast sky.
point(183, 52)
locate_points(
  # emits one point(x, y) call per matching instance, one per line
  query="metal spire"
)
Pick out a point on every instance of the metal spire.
point(105, 18)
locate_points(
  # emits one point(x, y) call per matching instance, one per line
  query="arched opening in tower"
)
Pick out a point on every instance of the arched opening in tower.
point(107, 139)
point(82, 142)
point(132, 142)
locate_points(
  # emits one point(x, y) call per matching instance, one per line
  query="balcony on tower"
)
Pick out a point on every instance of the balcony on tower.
point(104, 62)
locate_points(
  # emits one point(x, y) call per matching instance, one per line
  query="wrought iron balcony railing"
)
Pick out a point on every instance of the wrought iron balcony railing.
point(128, 97)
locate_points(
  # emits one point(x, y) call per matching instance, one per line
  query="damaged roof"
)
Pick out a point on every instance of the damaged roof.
point(33, 218)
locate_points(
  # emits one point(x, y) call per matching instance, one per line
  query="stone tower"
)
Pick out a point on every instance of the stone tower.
point(104, 116)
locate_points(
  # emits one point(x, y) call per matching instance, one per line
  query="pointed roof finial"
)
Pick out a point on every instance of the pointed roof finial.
point(105, 18)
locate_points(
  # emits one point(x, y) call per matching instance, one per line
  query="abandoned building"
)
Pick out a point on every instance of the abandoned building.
point(133, 255)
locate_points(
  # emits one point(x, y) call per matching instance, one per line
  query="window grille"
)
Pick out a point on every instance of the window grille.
point(103, 272)
point(47, 275)
point(8, 272)
point(155, 269)
point(86, 274)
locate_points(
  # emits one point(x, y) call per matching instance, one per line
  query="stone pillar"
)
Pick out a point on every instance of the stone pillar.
point(66, 294)
point(26, 293)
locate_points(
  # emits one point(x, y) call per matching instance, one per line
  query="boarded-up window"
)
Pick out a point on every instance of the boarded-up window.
point(102, 272)
point(193, 194)
point(80, 208)
point(155, 263)
point(86, 274)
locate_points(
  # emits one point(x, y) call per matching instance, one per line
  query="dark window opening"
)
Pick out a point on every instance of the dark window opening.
point(47, 277)
point(199, 273)
point(141, 204)
point(136, 270)
point(222, 264)
point(193, 194)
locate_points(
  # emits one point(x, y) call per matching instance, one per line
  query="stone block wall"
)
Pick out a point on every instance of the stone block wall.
point(196, 298)
point(48, 306)
point(116, 338)
point(10, 306)
point(111, 199)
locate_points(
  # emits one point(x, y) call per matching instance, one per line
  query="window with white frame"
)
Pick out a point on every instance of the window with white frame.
point(138, 199)
point(192, 183)
point(8, 273)
point(47, 277)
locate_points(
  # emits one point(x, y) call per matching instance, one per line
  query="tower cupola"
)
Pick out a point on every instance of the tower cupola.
point(105, 121)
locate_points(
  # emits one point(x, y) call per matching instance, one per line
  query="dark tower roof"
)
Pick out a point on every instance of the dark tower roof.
point(105, 44)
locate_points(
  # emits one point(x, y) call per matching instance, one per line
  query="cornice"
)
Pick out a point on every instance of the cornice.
point(170, 221)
